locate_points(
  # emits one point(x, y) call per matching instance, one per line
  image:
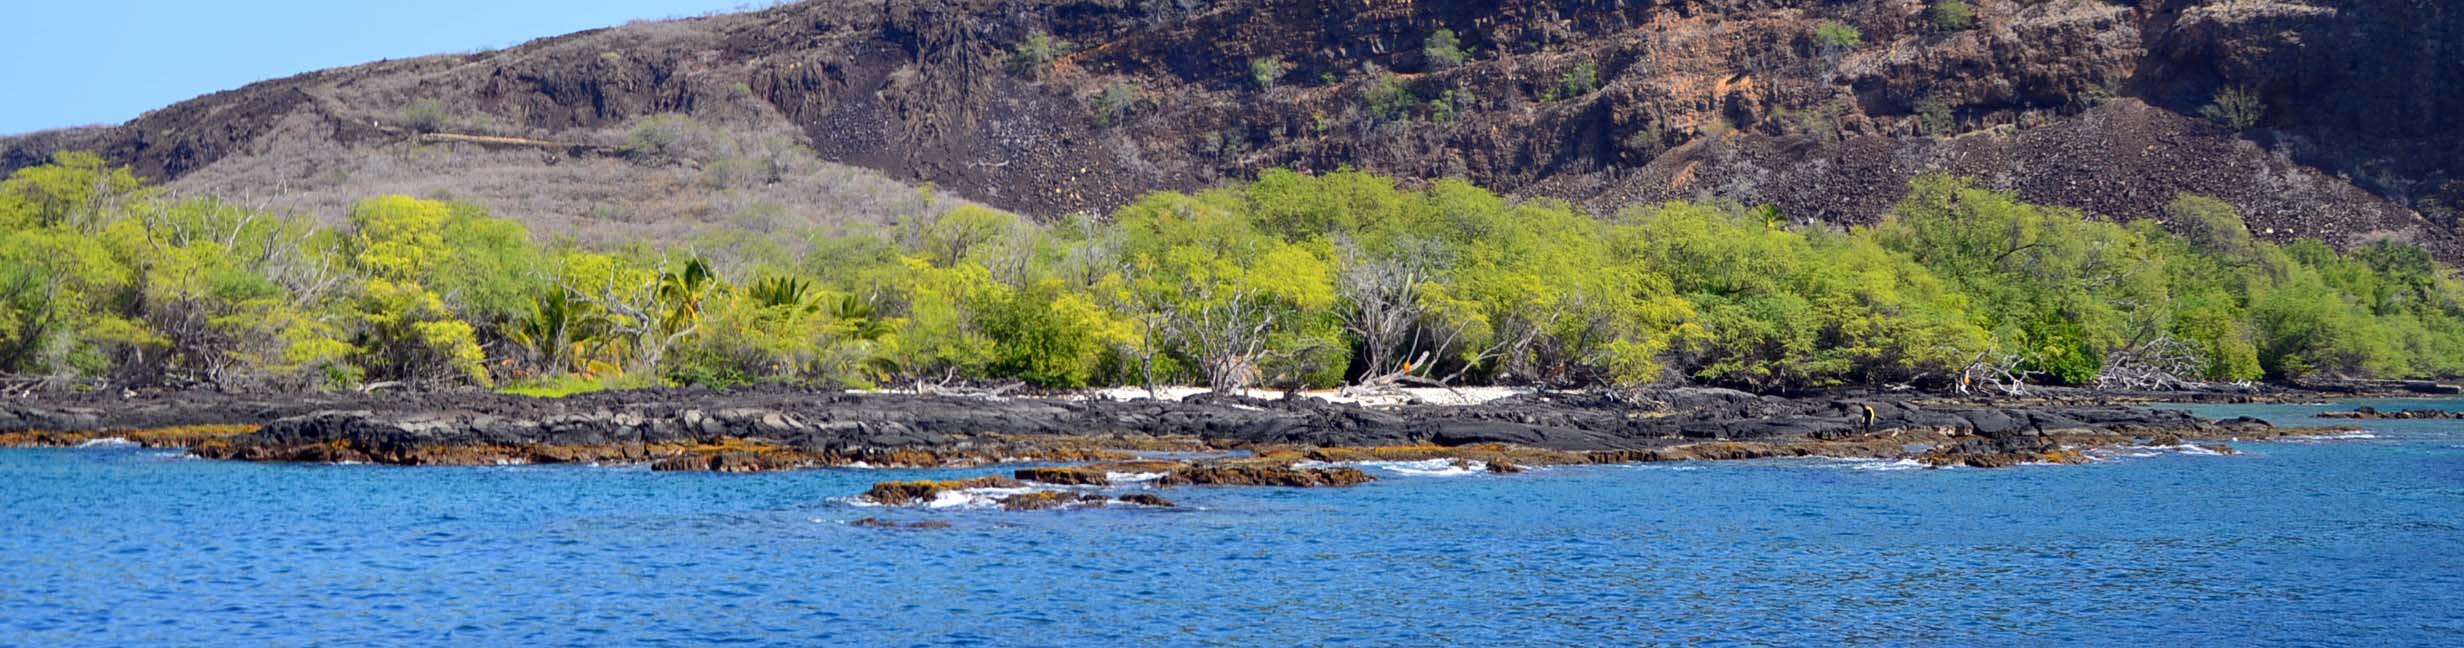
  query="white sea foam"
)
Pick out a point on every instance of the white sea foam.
point(1887, 464)
point(2144, 451)
point(1661, 465)
point(973, 498)
point(2339, 436)
point(1132, 477)
point(107, 442)
point(1429, 467)
point(1421, 468)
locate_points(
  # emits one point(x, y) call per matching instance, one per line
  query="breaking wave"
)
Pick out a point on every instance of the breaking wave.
point(1420, 468)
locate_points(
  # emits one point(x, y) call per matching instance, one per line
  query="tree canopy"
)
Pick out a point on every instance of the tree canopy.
point(1292, 280)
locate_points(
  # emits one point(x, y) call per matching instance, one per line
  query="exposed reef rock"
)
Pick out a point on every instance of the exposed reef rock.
point(1116, 450)
point(761, 430)
point(2372, 413)
point(1263, 474)
point(895, 493)
point(1066, 476)
point(878, 523)
point(176, 436)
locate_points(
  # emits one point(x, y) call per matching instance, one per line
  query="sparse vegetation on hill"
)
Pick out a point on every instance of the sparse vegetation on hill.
point(1835, 36)
point(1444, 50)
point(1824, 109)
point(2235, 108)
point(1951, 15)
point(1291, 280)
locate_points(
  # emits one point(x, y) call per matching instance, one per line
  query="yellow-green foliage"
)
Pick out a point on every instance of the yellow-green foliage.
point(2053, 286)
point(1780, 308)
point(408, 334)
point(570, 384)
point(1293, 280)
point(76, 192)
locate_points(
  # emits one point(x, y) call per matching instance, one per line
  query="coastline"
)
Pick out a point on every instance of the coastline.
point(1202, 439)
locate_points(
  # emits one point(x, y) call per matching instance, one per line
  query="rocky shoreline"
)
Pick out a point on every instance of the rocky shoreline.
point(1202, 440)
point(2367, 413)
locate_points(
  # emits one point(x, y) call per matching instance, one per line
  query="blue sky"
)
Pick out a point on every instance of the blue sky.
point(78, 62)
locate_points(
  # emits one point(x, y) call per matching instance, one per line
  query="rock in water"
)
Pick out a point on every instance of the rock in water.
point(900, 493)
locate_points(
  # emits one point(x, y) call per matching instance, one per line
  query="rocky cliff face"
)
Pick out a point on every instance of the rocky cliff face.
point(2088, 103)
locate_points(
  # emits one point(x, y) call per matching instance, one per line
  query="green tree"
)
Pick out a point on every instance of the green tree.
point(56, 287)
point(941, 338)
point(1782, 310)
point(406, 334)
point(405, 331)
point(1245, 307)
point(491, 267)
point(236, 296)
point(1443, 50)
point(77, 190)
point(2057, 289)
point(1052, 337)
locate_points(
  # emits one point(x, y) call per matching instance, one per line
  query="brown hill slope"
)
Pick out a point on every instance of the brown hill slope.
point(815, 112)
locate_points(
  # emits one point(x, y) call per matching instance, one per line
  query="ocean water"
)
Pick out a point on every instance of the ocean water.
point(2351, 541)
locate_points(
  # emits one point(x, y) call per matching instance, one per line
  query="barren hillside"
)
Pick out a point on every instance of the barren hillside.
point(842, 110)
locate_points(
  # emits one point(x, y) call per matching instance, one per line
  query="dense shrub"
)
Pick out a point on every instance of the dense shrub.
point(1264, 70)
point(1952, 15)
point(1292, 280)
point(1389, 97)
point(424, 115)
point(673, 138)
point(1443, 50)
point(1112, 106)
point(2236, 108)
point(1036, 53)
point(1579, 80)
point(1834, 36)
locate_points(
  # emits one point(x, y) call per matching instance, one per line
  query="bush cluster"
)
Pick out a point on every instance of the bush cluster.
point(1292, 280)
point(1952, 15)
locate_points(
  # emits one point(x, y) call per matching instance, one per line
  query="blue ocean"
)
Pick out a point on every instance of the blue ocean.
point(2332, 541)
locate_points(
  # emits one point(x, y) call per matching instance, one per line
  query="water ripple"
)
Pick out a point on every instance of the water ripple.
point(2318, 541)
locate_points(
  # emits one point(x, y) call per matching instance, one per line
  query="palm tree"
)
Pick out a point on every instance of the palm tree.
point(681, 291)
point(790, 292)
point(562, 331)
